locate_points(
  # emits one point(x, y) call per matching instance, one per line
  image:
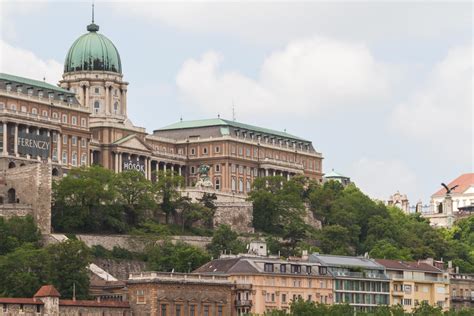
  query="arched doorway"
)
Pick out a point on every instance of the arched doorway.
point(11, 165)
point(11, 196)
point(55, 172)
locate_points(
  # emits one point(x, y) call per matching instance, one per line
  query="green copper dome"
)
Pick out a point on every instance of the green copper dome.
point(93, 51)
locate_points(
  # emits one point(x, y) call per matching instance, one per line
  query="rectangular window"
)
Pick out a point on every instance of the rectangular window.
point(65, 139)
point(74, 120)
point(217, 168)
point(74, 140)
point(163, 310)
point(204, 150)
point(64, 158)
point(206, 310)
point(219, 310)
point(283, 268)
point(140, 297)
point(295, 268)
point(268, 267)
point(248, 152)
point(283, 298)
point(192, 310)
point(193, 151)
point(241, 151)
point(64, 118)
point(308, 269)
point(178, 310)
point(83, 142)
point(217, 149)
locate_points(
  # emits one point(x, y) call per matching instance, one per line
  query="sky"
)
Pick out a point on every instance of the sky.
point(384, 90)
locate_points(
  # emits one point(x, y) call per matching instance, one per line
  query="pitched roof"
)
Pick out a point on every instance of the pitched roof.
point(20, 300)
point(223, 122)
point(47, 291)
point(407, 265)
point(32, 82)
point(464, 181)
point(217, 266)
point(90, 303)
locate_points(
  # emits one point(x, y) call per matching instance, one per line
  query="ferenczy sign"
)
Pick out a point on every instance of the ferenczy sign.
point(33, 144)
point(134, 165)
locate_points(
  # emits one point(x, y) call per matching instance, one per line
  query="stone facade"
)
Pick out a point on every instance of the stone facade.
point(29, 188)
point(461, 290)
point(175, 294)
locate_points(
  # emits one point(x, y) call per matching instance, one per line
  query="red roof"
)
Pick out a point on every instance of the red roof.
point(90, 303)
point(47, 291)
point(18, 300)
point(407, 265)
point(464, 181)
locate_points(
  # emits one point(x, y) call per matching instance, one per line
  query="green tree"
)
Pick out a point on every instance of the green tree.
point(69, 261)
point(276, 203)
point(167, 186)
point(335, 239)
point(136, 195)
point(225, 239)
point(17, 231)
point(85, 201)
point(425, 309)
point(179, 257)
point(23, 271)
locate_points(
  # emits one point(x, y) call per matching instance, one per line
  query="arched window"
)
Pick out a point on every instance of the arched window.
point(11, 196)
point(116, 108)
point(64, 157)
point(217, 184)
point(233, 185)
point(34, 111)
point(11, 165)
point(55, 172)
point(96, 107)
point(241, 185)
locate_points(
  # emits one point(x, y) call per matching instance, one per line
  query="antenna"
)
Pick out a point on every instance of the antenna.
point(92, 12)
point(233, 110)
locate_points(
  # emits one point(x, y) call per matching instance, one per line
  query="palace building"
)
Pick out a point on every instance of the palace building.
point(84, 121)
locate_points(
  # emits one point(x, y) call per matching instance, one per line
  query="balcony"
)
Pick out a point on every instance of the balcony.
point(462, 298)
point(272, 163)
point(426, 278)
point(243, 303)
point(28, 116)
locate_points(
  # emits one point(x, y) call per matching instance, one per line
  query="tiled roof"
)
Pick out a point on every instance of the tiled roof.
point(407, 265)
point(90, 303)
point(464, 181)
point(18, 300)
point(222, 122)
point(35, 83)
point(47, 291)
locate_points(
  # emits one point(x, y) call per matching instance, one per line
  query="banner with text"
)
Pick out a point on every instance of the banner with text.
point(33, 144)
point(137, 165)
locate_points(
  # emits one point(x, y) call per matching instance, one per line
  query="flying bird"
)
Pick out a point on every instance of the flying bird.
point(448, 190)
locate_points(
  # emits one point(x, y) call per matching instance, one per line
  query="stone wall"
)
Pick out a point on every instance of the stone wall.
point(32, 185)
point(137, 243)
point(11, 210)
point(232, 209)
point(121, 268)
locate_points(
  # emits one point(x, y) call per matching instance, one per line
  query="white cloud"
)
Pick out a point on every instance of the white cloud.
point(11, 10)
point(382, 178)
point(440, 114)
point(305, 77)
point(21, 62)
point(279, 22)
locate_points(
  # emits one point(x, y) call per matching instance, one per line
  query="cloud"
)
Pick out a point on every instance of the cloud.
point(21, 62)
point(263, 22)
point(304, 78)
point(382, 178)
point(11, 10)
point(440, 113)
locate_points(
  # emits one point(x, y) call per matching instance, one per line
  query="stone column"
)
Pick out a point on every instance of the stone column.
point(5, 139)
point(288, 176)
point(116, 168)
point(120, 161)
point(266, 172)
point(146, 166)
point(106, 106)
point(108, 97)
point(91, 157)
point(149, 168)
point(124, 100)
point(164, 168)
point(86, 100)
point(15, 147)
point(59, 140)
point(179, 170)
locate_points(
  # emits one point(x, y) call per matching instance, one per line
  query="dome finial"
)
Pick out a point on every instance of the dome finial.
point(92, 27)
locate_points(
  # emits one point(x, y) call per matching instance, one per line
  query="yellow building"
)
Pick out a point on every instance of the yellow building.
point(414, 282)
point(266, 283)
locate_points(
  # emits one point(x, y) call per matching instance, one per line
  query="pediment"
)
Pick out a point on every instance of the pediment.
point(133, 142)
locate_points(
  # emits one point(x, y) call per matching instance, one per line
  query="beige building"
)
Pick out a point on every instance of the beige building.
point(414, 282)
point(461, 290)
point(266, 283)
point(459, 203)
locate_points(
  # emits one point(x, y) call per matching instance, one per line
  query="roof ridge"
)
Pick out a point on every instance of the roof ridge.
point(33, 82)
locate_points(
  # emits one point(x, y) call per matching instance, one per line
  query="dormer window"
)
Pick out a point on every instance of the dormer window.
point(69, 99)
point(30, 91)
point(295, 268)
point(9, 87)
point(40, 94)
point(51, 95)
point(283, 268)
point(61, 97)
point(268, 267)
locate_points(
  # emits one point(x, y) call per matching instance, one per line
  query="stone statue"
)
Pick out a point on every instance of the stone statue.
point(204, 181)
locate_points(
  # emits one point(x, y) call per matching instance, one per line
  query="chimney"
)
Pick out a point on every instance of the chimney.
point(304, 255)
